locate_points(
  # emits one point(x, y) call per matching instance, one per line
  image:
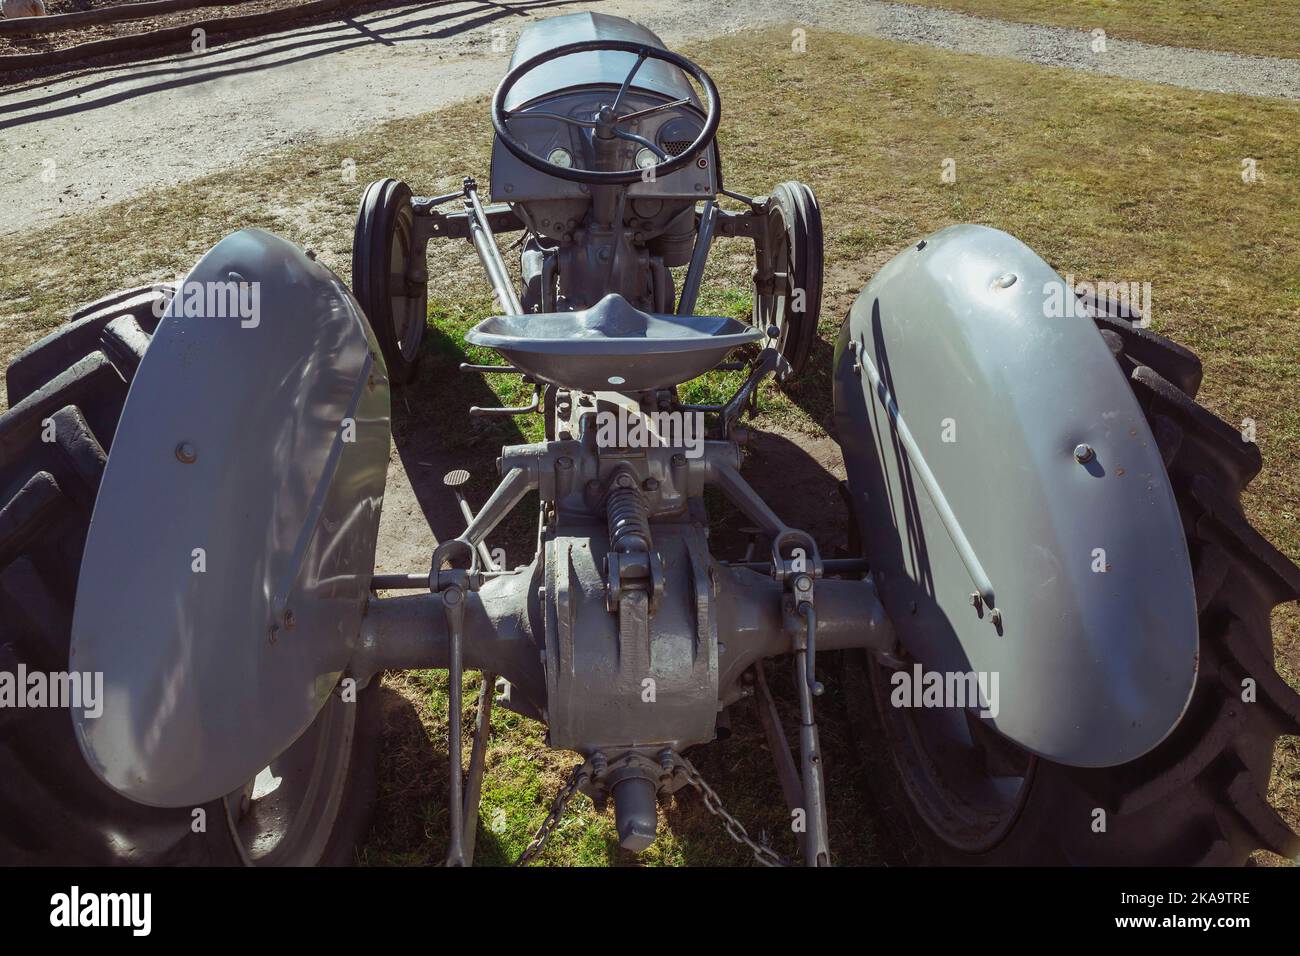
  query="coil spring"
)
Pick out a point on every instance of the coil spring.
point(629, 520)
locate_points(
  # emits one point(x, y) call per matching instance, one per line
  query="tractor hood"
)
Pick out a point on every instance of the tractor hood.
point(598, 68)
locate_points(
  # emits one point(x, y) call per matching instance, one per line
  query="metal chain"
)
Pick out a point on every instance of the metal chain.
point(735, 829)
point(712, 802)
point(553, 818)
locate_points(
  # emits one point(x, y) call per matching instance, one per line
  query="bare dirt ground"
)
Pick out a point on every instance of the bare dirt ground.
point(107, 133)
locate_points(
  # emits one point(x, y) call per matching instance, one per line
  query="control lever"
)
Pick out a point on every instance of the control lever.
point(455, 480)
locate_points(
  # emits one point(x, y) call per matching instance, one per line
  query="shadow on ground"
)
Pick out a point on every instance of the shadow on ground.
point(256, 54)
point(799, 476)
point(434, 433)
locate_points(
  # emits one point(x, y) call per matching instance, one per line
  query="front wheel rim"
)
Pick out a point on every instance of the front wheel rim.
point(407, 301)
point(772, 308)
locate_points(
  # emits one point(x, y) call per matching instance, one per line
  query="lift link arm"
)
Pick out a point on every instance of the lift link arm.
point(452, 585)
point(477, 764)
point(816, 843)
point(453, 607)
point(463, 798)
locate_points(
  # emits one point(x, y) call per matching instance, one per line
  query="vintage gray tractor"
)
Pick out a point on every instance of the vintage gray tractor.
point(1058, 613)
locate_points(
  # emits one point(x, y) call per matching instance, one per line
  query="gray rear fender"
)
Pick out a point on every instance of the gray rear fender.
point(221, 597)
point(960, 396)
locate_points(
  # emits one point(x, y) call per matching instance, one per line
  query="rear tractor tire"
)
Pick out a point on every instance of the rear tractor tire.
point(1198, 797)
point(70, 388)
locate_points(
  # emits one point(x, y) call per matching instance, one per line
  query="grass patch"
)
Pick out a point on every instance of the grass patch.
point(1106, 179)
point(1261, 27)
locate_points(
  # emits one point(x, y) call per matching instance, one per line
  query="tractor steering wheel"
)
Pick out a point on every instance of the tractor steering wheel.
point(606, 121)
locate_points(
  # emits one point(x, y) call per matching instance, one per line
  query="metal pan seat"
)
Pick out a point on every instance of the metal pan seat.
point(612, 346)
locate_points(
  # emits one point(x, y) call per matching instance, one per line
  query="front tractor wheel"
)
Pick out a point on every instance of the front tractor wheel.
point(390, 276)
point(788, 274)
point(310, 806)
point(972, 797)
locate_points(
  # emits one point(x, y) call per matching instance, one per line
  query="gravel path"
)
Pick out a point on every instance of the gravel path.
point(113, 132)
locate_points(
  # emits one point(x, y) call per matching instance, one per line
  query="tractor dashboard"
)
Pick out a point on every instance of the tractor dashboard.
point(672, 128)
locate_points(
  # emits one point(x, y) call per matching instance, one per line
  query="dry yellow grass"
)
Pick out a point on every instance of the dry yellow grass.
point(1262, 27)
